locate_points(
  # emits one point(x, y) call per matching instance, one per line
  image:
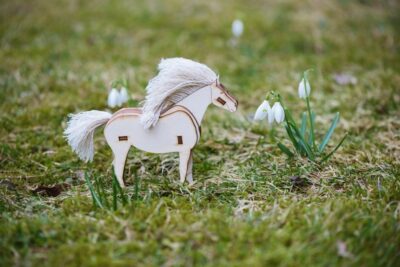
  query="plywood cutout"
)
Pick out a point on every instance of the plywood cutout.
point(176, 128)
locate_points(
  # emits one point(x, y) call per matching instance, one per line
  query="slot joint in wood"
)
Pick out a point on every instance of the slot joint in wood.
point(180, 139)
point(123, 138)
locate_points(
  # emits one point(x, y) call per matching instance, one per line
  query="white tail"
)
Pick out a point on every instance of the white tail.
point(80, 130)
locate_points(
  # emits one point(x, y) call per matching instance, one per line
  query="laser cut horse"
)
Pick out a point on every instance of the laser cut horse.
point(176, 101)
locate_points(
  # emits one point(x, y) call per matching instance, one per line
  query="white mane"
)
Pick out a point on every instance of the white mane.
point(177, 79)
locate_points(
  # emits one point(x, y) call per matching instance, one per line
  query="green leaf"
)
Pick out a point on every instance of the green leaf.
point(334, 150)
point(304, 144)
point(290, 123)
point(285, 150)
point(119, 190)
point(329, 133)
point(114, 194)
point(136, 195)
point(292, 138)
point(104, 197)
point(289, 117)
point(96, 199)
point(101, 191)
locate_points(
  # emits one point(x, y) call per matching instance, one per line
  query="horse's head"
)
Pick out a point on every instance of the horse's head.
point(222, 98)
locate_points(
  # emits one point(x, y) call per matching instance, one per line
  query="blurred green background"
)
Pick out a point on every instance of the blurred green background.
point(60, 57)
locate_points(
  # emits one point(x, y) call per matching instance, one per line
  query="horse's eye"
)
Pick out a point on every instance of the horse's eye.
point(221, 101)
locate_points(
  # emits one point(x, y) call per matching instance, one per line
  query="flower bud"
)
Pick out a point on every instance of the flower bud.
point(304, 88)
point(279, 113)
point(237, 28)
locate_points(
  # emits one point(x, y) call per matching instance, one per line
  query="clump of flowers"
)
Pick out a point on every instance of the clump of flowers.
point(276, 113)
point(116, 98)
point(302, 136)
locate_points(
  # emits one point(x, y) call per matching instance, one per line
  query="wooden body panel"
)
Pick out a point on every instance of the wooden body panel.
point(176, 131)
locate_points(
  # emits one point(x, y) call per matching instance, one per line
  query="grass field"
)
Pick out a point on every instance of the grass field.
point(245, 209)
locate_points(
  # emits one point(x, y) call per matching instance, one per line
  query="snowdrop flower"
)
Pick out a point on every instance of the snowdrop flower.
point(237, 28)
point(270, 116)
point(279, 113)
point(119, 100)
point(113, 98)
point(123, 96)
point(262, 111)
point(304, 88)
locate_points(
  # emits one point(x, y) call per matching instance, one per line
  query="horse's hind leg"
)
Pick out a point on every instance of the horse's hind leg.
point(120, 153)
point(184, 157)
point(189, 174)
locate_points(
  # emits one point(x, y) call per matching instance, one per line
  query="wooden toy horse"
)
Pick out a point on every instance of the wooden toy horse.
point(169, 121)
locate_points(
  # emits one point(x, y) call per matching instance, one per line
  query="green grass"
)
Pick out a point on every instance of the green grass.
point(246, 209)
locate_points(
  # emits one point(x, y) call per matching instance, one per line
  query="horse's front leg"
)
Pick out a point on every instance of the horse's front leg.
point(184, 158)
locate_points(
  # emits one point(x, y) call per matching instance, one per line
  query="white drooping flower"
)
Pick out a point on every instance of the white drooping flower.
point(237, 28)
point(123, 96)
point(270, 114)
point(113, 98)
point(279, 113)
point(262, 111)
point(304, 88)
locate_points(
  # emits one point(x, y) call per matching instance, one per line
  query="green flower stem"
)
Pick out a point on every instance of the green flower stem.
point(309, 110)
point(311, 123)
